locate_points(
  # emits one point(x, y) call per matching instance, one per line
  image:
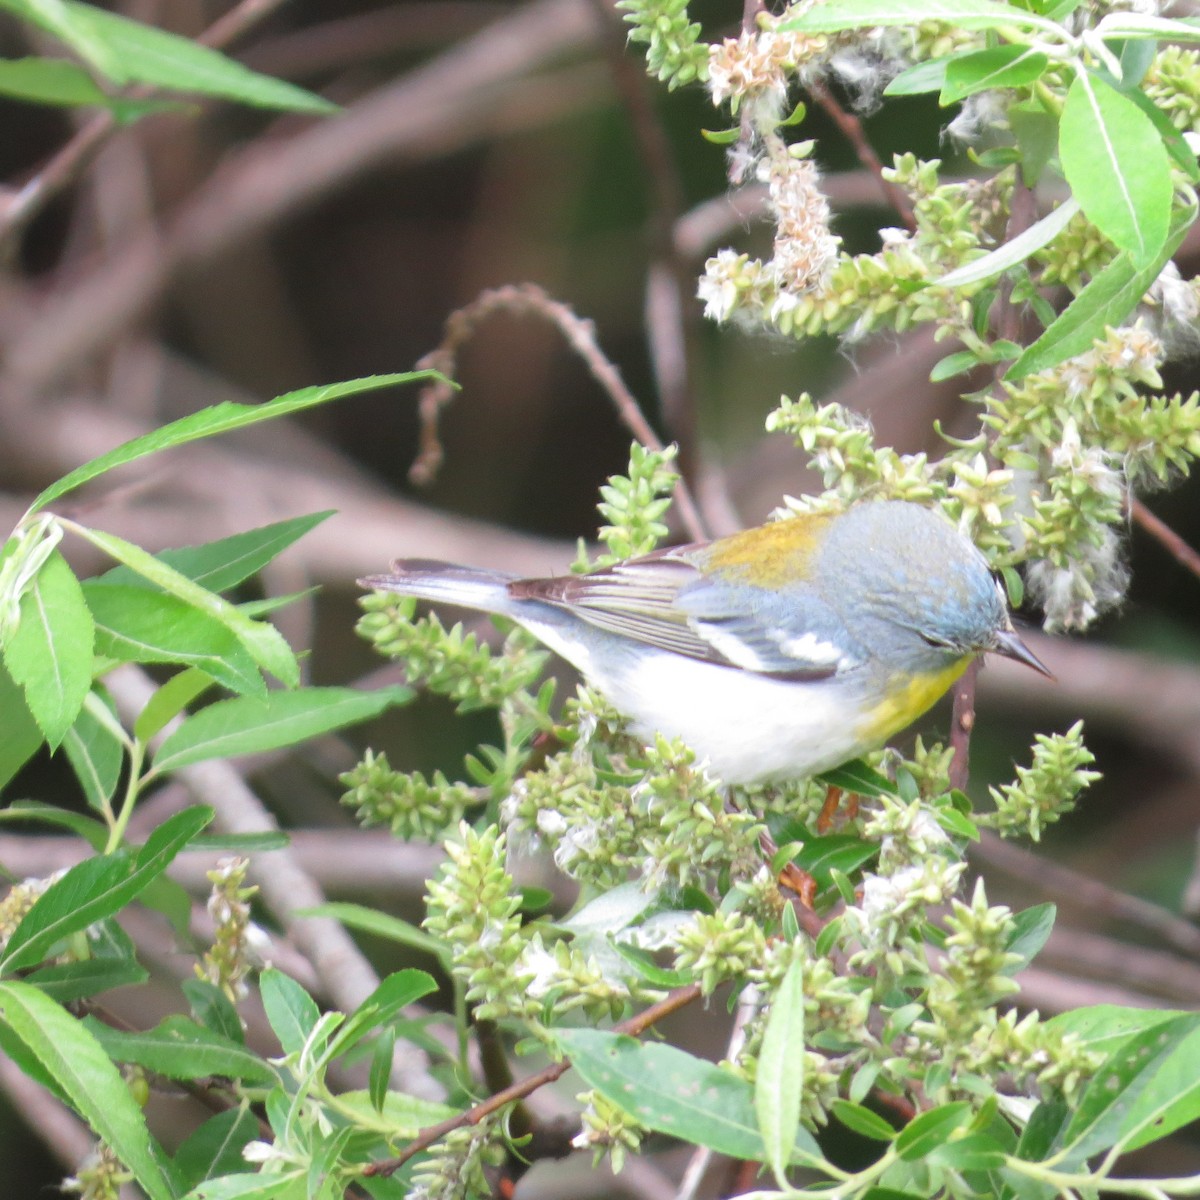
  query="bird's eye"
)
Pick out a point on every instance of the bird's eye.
point(939, 643)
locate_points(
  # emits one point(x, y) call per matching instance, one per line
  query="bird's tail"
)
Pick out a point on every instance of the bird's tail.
point(446, 583)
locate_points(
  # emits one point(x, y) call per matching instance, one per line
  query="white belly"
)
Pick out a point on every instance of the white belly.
point(749, 727)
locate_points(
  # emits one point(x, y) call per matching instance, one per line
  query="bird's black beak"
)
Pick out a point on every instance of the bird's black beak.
point(1011, 646)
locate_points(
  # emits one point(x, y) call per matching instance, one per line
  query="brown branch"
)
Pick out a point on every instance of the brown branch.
point(962, 722)
point(1162, 533)
point(470, 92)
point(528, 298)
point(1074, 889)
point(636, 1025)
point(669, 282)
point(852, 130)
point(65, 167)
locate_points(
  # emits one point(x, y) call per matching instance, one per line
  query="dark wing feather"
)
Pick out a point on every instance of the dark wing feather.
point(662, 600)
point(636, 600)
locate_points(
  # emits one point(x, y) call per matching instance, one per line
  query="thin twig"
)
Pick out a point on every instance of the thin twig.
point(669, 281)
point(852, 130)
point(65, 167)
point(962, 722)
point(636, 1025)
point(528, 298)
point(1162, 533)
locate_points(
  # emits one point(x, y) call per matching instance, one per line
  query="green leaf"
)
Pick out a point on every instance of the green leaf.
point(972, 1152)
point(94, 832)
point(382, 1057)
point(1106, 301)
point(384, 925)
point(820, 856)
point(953, 364)
point(225, 563)
point(248, 726)
point(144, 54)
point(290, 1186)
point(242, 843)
point(134, 624)
point(835, 15)
point(1016, 250)
point(52, 81)
point(863, 1121)
point(930, 1129)
point(50, 654)
point(1036, 133)
point(95, 753)
point(1146, 1088)
point(1117, 167)
point(1008, 66)
point(403, 1116)
point(55, 17)
point(72, 981)
point(1103, 1027)
point(20, 736)
point(393, 994)
point(213, 1009)
point(73, 1058)
point(215, 1148)
point(265, 643)
point(779, 1083)
point(220, 418)
point(169, 701)
point(178, 1048)
point(1031, 930)
point(293, 1013)
point(673, 1093)
point(855, 776)
point(921, 77)
point(97, 888)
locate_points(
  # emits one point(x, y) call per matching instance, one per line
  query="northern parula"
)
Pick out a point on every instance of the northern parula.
point(774, 653)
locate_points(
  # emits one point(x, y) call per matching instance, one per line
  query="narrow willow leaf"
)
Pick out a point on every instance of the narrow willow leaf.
point(225, 563)
point(673, 1093)
point(1031, 930)
point(835, 15)
point(1106, 301)
point(1117, 167)
point(930, 1129)
point(169, 701)
point(20, 736)
point(178, 1048)
point(92, 830)
point(97, 888)
point(289, 1186)
point(154, 56)
point(96, 755)
point(266, 645)
point(863, 1121)
point(50, 654)
point(855, 776)
point(393, 994)
point(73, 1058)
point(220, 418)
point(249, 726)
point(72, 981)
point(215, 1149)
point(55, 17)
point(779, 1082)
point(996, 67)
point(292, 1012)
point(384, 925)
point(1014, 251)
point(403, 1116)
point(1145, 1089)
point(135, 624)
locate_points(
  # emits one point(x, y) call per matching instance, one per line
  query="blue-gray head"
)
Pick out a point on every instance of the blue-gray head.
point(936, 600)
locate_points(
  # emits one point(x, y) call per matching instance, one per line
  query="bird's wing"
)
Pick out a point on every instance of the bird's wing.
point(663, 600)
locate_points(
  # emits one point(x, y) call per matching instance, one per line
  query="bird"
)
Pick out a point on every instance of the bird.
point(775, 653)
